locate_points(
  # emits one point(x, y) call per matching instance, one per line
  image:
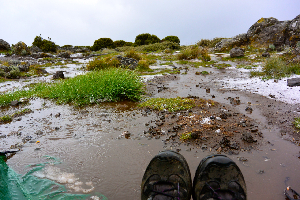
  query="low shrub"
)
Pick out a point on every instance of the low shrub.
point(191, 52)
point(132, 54)
point(44, 45)
point(103, 43)
point(100, 63)
point(146, 38)
point(119, 43)
point(20, 49)
point(158, 47)
point(143, 65)
point(172, 38)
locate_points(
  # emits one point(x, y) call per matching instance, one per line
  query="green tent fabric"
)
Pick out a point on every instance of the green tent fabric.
point(16, 187)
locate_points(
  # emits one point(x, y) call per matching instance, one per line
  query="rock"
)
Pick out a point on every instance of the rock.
point(236, 52)
point(195, 134)
point(128, 62)
point(247, 137)
point(58, 74)
point(266, 54)
point(65, 54)
point(293, 32)
point(264, 32)
point(24, 67)
point(41, 55)
point(238, 40)
point(292, 82)
point(4, 46)
point(14, 103)
point(35, 49)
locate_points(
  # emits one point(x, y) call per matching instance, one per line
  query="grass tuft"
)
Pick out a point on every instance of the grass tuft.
point(113, 84)
point(170, 104)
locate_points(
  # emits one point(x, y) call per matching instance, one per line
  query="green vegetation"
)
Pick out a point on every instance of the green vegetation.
point(5, 119)
point(44, 45)
point(297, 123)
point(133, 54)
point(191, 52)
point(145, 39)
point(186, 136)
point(103, 43)
point(113, 84)
point(275, 67)
point(204, 72)
point(158, 47)
point(221, 65)
point(194, 52)
point(20, 49)
point(167, 63)
point(9, 118)
point(102, 62)
point(170, 104)
point(209, 43)
point(172, 38)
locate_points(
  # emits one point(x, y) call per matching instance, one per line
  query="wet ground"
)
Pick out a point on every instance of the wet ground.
point(95, 149)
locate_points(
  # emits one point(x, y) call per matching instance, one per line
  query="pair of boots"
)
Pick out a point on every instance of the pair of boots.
point(168, 177)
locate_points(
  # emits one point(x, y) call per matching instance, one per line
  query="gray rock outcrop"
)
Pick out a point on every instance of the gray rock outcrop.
point(130, 63)
point(264, 32)
point(236, 52)
point(4, 46)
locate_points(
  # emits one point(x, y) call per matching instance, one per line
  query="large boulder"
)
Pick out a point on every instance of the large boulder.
point(236, 52)
point(4, 46)
point(266, 31)
point(293, 31)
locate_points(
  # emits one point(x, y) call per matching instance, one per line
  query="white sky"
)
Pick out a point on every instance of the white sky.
point(81, 22)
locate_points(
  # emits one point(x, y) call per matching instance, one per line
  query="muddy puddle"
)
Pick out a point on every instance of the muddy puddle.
point(91, 143)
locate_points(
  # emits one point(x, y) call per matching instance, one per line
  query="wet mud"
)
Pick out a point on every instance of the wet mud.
point(110, 145)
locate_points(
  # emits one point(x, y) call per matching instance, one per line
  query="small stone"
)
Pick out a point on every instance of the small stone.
point(14, 103)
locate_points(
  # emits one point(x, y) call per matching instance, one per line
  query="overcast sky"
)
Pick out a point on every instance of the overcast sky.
point(81, 22)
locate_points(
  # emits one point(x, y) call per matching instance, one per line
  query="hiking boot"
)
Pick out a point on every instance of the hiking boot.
point(218, 177)
point(167, 177)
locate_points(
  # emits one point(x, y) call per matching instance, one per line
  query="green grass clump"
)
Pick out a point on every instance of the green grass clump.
point(170, 104)
point(9, 118)
point(5, 119)
point(189, 53)
point(275, 67)
point(297, 123)
point(100, 63)
point(22, 112)
point(113, 84)
point(221, 65)
point(158, 47)
point(186, 136)
point(133, 54)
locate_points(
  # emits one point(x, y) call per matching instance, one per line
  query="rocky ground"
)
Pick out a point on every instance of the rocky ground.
point(239, 122)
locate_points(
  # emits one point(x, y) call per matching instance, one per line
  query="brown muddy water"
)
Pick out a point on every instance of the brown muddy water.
point(90, 144)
